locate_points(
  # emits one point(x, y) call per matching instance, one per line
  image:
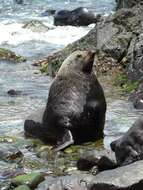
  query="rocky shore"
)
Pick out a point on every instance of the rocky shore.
point(118, 42)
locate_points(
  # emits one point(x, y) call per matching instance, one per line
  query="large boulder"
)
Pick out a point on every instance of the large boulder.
point(78, 17)
point(123, 178)
point(129, 177)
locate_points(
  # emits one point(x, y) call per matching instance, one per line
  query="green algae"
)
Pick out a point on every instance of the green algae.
point(31, 179)
point(8, 55)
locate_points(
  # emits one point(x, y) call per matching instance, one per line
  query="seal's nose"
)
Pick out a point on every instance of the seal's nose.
point(91, 54)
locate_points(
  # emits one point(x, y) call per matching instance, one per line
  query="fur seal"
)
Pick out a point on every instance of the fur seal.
point(78, 17)
point(129, 148)
point(76, 106)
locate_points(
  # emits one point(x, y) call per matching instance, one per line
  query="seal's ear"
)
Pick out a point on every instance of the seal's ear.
point(113, 145)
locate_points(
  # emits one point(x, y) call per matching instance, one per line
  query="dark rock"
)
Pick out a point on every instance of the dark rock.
point(103, 159)
point(105, 163)
point(86, 164)
point(123, 178)
point(13, 92)
point(77, 17)
point(129, 148)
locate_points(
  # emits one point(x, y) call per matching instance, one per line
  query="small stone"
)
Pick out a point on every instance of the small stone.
point(13, 92)
point(32, 179)
point(10, 153)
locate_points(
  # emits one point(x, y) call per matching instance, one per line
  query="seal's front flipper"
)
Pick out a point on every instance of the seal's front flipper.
point(65, 141)
point(32, 128)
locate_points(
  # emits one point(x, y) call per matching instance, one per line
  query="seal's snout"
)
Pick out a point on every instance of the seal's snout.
point(91, 55)
point(88, 62)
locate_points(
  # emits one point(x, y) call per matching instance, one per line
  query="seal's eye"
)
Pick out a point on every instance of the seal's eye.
point(79, 56)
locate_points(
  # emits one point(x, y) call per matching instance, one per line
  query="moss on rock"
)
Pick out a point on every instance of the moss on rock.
point(31, 179)
point(22, 187)
point(8, 55)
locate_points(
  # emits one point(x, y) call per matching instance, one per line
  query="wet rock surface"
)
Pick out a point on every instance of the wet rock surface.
point(74, 181)
point(126, 177)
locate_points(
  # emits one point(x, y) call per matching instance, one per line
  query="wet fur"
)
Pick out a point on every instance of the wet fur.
point(76, 102)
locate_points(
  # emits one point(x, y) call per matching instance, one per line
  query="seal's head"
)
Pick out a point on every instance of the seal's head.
point(78, 61)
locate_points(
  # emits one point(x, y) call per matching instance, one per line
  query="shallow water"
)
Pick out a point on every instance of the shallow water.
point(34, 86)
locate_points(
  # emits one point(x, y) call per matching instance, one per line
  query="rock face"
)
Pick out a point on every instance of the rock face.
point(127, 3)
point(137, 97)
point(123, 178)
point(135, 58)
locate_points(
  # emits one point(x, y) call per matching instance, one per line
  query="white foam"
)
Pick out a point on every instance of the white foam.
point(14, 34)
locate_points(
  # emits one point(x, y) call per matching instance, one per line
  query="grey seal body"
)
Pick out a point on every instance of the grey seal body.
point(76, 106)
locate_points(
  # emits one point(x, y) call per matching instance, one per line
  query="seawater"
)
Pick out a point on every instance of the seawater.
point(34, 45)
